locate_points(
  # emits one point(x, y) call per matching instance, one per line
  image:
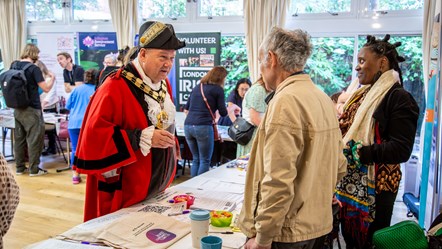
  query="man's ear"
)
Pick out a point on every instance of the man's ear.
point(272, 60)
point(142, 53)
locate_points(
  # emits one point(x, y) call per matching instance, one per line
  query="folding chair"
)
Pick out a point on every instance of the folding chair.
point(64, 134)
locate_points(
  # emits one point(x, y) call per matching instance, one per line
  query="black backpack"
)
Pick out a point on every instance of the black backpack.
point(15, 87)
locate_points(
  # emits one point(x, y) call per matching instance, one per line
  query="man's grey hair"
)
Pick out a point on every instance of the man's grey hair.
point(291, 47)
point(111, 56)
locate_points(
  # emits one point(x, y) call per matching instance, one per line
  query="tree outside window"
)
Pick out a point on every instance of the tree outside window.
point(234, 59)
point(43, 10)
point(212, 8)
point(319, 6)
point(330, 65)
point(162, 9)
point(396, 4)
point(91, 10)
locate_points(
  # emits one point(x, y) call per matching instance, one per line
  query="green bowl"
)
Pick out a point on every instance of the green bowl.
point(220, 218)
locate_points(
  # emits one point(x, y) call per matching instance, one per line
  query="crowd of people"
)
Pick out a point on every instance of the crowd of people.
point(307, 151)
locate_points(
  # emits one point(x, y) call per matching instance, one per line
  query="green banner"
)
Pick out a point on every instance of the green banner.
point(202, 53)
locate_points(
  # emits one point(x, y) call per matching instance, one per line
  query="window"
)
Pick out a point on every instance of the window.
point(44, 10)
point(234, 59)
point(319, 6)
point(91, 10)
point(212, 8)
point(385, 5)
point(330, 65)
point(162, 9)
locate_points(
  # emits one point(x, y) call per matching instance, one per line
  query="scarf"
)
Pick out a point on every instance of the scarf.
point(356, 190)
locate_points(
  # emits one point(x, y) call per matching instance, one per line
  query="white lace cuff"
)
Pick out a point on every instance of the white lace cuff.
point(146, 139)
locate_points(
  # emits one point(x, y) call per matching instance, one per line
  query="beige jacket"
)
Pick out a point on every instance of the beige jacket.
point(295, 162)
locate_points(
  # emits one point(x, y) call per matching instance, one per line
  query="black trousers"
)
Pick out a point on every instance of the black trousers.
point(51, 133)
point(384, 211)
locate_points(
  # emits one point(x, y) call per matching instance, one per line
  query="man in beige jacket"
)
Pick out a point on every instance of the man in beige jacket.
point(296, 158)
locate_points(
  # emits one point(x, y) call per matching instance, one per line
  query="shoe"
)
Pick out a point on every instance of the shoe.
point(48, 152)
point(22, 171)
point(40, 172)
point(76, 179)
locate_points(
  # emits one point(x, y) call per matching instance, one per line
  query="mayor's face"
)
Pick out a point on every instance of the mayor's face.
point(156, 63)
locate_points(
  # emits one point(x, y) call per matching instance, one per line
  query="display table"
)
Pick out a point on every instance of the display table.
point(221, 186)
point(179, 124)
point(7, 122)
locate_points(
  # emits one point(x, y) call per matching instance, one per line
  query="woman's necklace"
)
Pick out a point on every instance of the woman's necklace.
point(157, 95)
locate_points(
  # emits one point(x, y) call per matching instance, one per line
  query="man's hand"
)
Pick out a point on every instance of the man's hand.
point(251, 244)
point(162, 139)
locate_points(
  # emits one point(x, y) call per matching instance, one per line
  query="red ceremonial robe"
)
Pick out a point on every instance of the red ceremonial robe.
point(115, 111)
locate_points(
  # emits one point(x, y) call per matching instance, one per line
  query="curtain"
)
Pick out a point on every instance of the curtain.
point(125, 21)
point(12, 30)
point(260, 17)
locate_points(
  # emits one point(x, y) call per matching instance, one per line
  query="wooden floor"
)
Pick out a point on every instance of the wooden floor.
point(49, 205)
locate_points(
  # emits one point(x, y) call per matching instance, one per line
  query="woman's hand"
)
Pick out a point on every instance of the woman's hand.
point(233, 111)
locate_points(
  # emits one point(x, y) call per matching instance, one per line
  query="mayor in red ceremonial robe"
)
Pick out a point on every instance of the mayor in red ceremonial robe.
point(127, 145)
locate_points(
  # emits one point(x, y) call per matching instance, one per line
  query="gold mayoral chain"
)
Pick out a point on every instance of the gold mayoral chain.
point(159, 95)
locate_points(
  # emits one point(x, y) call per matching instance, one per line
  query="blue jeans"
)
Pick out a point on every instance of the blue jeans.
point(73, 134)
point(200, 140)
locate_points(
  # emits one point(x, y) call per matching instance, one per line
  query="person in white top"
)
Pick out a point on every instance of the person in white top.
point(49, 102)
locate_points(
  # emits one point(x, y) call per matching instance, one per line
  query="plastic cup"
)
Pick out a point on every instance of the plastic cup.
point(211, 242)
point(184, 198)
point(199, 226)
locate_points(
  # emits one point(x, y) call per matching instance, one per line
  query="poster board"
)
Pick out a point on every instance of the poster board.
point(201, 53)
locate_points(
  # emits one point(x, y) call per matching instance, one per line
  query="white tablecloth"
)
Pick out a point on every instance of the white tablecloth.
point(230, 182)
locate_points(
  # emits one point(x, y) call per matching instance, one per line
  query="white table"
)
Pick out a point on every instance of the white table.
point(234, 177)
point(7, 122)
point(179, 125)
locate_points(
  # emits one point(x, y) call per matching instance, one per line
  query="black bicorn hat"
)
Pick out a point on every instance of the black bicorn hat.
point(153, 34)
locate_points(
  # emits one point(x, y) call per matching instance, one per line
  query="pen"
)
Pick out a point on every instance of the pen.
point(175, 214)
point(90, 243)
point(227, 232)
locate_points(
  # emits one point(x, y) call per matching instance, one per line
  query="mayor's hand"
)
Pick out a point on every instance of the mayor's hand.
point(162, 139)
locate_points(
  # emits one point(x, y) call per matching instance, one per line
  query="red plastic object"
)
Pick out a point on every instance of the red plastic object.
point(187, 198)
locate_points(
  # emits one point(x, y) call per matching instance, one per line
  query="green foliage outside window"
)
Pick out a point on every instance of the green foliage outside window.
point(43, 10)
point(162, 8)
point(396, 4)
point(91, 9)
point(330, 65)
point(320, 6)
point(234, 59)
point(221, 8)
point(84, 4)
